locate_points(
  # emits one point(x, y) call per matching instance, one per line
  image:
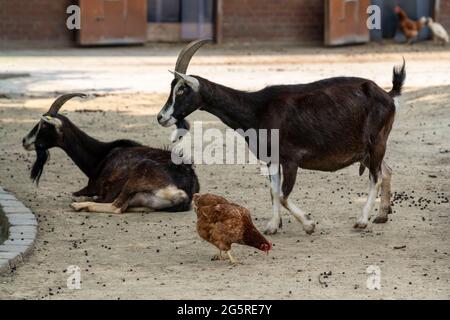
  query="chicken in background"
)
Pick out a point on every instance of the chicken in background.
point(223, 223)
point(438, 31)
point(410, 28)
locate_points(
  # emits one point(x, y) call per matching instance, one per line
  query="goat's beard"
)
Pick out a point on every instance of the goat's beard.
point(42, 155)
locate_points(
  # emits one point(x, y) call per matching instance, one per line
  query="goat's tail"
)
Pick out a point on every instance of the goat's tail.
point(398, 79)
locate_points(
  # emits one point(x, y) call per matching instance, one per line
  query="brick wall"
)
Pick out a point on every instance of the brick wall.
point(444, 14)
point(43, 21)
point(272, 20)
point(35, 21)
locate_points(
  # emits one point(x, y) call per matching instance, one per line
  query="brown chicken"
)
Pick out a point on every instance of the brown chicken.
point(410, 28)
point(223, 223)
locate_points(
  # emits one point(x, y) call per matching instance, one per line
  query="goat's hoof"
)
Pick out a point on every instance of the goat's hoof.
point(270, 231)
point(272, 227)
point(380, 219)
point(309, 227)
point(360, 225)
point(385, 210)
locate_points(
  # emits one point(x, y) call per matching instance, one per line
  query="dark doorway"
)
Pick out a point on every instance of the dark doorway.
point(415, 9)
point(175, 20)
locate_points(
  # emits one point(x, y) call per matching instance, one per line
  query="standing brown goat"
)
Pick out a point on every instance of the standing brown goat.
point(325, 125)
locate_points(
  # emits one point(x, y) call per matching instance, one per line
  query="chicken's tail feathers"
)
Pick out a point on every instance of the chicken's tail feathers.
point(398, 79)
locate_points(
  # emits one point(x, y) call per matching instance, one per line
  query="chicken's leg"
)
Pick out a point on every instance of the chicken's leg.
point(218, 256)
point(232, 259)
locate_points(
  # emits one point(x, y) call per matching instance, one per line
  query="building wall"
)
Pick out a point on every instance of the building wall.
point(35, 21)
point(272, 20)
point(43, 21)
point(444, 14)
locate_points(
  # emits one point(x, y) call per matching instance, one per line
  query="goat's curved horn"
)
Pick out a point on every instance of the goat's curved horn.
point(54, 108)
point(186, 54)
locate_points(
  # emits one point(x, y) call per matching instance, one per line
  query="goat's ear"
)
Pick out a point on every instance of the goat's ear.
point(189, 80)
point(193, 83)
point(57, 123)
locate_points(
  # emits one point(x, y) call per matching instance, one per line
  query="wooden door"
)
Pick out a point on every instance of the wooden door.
point(112, 22)
point(346, 21)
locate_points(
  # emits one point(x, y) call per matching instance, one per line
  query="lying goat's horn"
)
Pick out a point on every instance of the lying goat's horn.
point(186, 54)
point(54, 108)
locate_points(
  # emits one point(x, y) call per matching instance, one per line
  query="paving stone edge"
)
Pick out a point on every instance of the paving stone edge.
point(21, 225)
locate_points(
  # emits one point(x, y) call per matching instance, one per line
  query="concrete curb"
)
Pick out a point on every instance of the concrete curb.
point(21, 225)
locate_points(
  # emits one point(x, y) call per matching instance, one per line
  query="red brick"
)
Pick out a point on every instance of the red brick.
point(35, 20)
point(272, 20)
point(444, 14)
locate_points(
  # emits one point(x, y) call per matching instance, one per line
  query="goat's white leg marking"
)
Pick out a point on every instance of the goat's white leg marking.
point(275, 190)
point(373, 193)
point(385, 203)
point(299, 214)
point(148, 200)
point(172, 194)
point(95, 207)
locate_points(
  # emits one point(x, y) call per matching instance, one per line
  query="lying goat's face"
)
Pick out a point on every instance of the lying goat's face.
point(44, 135)
point(47, 133)
point(184, 99)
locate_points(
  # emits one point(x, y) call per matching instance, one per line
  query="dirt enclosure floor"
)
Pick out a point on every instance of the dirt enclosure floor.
point(160, 255)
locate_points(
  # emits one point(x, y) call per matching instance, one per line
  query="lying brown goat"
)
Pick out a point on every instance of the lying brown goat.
point(122, 173)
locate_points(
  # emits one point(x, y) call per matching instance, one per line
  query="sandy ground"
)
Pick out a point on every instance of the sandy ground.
point(159, 255)
point(145, 69)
